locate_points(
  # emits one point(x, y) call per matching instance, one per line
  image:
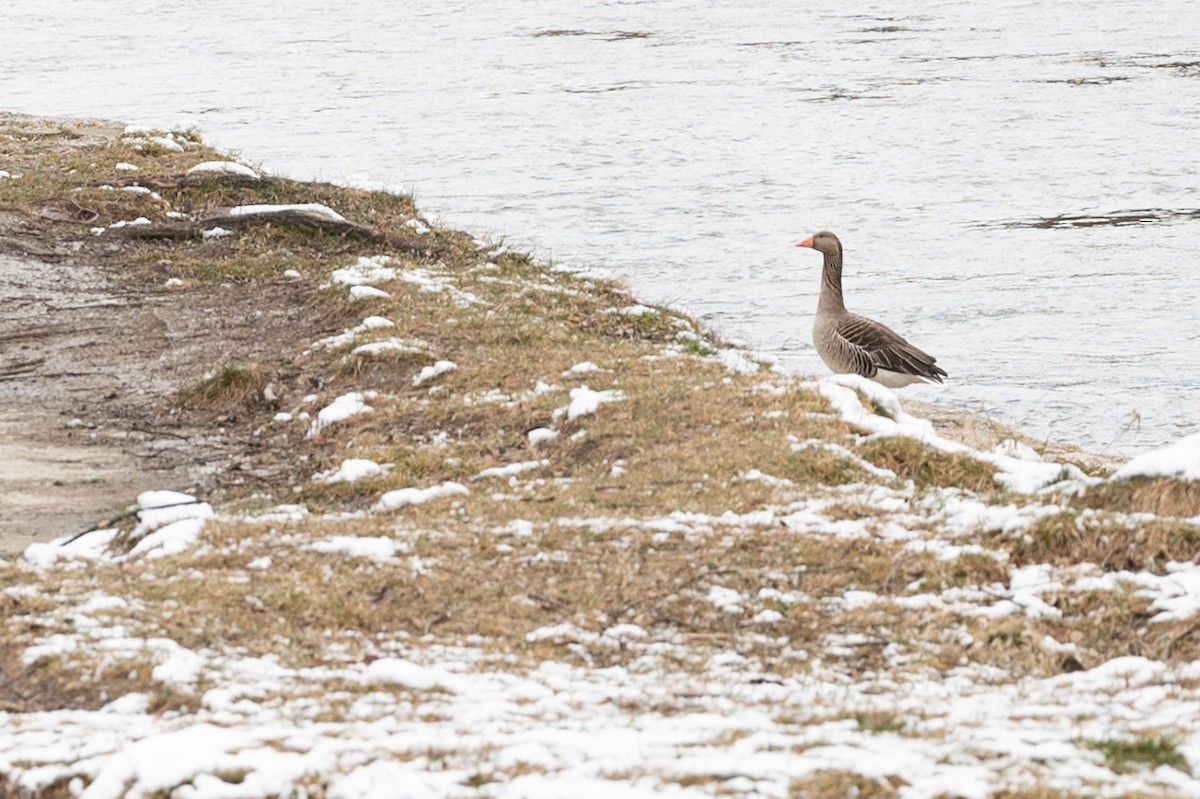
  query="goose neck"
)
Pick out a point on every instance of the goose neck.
point(831, 283)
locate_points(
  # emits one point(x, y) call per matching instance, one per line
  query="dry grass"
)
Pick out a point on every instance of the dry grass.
point(683, 435)
point(227, 387)
point(1101, 625)
point(480, 581)
point(1162, 496)
point(55, 683)
point(925, 466)
point(69, 185)
point(831, 784)
point(1113, 544)
point(879, 721)
point(59, 789)
point(680, 440)
point(1143, 753)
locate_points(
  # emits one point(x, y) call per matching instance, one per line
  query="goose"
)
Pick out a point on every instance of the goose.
point(852, 344)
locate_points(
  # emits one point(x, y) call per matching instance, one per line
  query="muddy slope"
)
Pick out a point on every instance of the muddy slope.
point(89, 365)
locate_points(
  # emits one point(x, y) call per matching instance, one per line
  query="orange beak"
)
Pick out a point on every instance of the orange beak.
point(806, 243)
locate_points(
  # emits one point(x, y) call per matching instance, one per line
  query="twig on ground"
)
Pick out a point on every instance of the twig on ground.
point(127, 514)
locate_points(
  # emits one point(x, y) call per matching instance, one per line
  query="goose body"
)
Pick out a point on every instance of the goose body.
point(853, 344)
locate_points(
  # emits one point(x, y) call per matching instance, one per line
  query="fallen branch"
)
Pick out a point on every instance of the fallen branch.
point(107, 524)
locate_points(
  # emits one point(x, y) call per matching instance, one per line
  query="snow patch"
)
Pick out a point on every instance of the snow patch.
point(348, 337)
point(372, 548)
point(340, 409)
point(1017, 470)
point(540, 435)
point(581, 368)
point(169, 522)
point(167, 143)
point(1180, 459)
point(223, 168)
point(403, 497)
point(377, 348)
point(351, 469)
point(366, 271)
point(512, 469)
point(430, 372)
point(406, 674)
point(439, 283)
point(367, 293)
point(585, 401)
point(316, 209)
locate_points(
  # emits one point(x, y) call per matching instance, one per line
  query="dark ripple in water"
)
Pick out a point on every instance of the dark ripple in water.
point(1186, 64)
point(604, 36)
point(1095, 81)
point(617, 87)
point(1141, 216)
point(923, 59)
point(775, 45)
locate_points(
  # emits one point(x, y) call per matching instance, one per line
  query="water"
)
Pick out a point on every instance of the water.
point(972, 158)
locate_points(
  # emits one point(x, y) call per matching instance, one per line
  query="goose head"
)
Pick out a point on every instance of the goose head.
point(823, 242)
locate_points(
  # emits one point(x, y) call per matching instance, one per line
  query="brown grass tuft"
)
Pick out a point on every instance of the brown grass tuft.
point(831, 784)
point(59, 789)
point(52, 683)
point(229, 386)
point(926, 466)
point(1162, 496)
point(1069, 537)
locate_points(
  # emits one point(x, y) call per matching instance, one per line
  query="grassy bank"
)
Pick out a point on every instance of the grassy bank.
point(530, 479)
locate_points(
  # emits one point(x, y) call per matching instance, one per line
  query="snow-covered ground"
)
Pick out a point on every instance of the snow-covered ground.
point(443, 721)
point(598, 708)
point(436, 718)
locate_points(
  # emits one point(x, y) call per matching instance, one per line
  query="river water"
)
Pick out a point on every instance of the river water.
point(1015, 183)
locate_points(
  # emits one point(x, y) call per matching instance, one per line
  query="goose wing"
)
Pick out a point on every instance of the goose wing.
point(884, 348)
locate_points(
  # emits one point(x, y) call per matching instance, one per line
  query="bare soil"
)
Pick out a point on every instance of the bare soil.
point(100, 357)
point(92, 355)
point(89, 364)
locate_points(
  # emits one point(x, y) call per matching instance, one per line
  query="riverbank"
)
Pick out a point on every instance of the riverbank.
point(444, 515)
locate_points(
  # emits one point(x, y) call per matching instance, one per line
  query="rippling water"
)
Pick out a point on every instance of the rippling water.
point(1016, 183)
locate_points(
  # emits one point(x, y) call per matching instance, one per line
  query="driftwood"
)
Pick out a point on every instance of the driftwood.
point(311, 220)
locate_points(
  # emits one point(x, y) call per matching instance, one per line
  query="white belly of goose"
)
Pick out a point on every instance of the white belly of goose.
point(897, 379)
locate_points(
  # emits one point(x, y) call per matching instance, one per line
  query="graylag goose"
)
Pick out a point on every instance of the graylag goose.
point(852, 344)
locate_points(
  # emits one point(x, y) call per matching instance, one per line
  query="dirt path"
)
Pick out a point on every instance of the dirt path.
point(97, 351)
point(55, 480)
point(87, 363)
point(72, 351)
